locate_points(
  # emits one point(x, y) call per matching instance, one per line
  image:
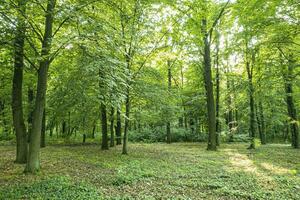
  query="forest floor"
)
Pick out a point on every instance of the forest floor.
point(155, 171)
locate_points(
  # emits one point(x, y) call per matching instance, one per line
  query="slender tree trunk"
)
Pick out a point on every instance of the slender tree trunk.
point(209, 91)
point(217, 94)
point(2, 113)
point(291, 107)
point(43, 132)
point(94, 129)
point(262, 122)
point(258, 123)
point(63, 128)
point(112, 133)
point(127, 113)
point(118, 128)
point(168, 127)
point(104, 144)
point(17, 107)
point(251, 105)
point(33, 161)
point(83, 138)
point(69, 123)
point(30, 113)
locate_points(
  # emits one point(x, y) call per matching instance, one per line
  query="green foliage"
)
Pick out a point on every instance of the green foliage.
point(51, 188)
point(158, 134)
point(156, 171)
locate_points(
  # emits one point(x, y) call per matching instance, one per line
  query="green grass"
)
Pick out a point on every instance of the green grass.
point(155, 171)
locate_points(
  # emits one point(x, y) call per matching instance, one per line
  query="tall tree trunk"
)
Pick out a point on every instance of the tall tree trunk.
point(94, 129)
point(69, 123)
point(104, 144)
point(118, 127)
point(262, 122)
point(43, 131)
point(251, 104)
point(64, 128)
point(209, 90)
point(2, 113)
point(17, 107)
point(127, 113)
point(291, 107)
point(258, 120)
point(30, 113)
point(33, 161)
point(168, 127)
point(112, 133)
point(217, 94)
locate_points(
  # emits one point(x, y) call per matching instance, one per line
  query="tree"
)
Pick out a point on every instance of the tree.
point(17, 102)
point(33, 162)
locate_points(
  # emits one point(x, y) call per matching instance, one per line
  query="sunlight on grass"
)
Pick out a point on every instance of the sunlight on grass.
point(155, 171)
point(276, 170)
point(241, 162)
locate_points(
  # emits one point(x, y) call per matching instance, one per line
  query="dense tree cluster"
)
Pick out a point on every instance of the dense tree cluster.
point(184, 70)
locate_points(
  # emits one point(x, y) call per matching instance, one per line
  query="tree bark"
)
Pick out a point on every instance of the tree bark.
point(118, 128)
point(112, 133)
point(127, 114)
point(104, 144)
point(33, 161)
point(43, 131)
point(217, 94)
point(294, 129)
point(209, 90)
point(251, 104)
point(94, 129)
point(168, 126)
point(17, 107)
point(30, 113)
point(262, 123)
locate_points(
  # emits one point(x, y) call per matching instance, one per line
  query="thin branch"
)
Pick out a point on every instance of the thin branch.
point(218, 18)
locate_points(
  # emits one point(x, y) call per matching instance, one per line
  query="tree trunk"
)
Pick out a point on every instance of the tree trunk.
point(33, 161)
point(209, 91)
point(291, 108)
point(83, 138)
point(104, 144)
point(30, 113)
point(69, 123)
point(118, 128)
point(63, 128)
point(17, 107)
point(127, 113)
point(251, 105)
point(94, 129)
point(262, 122)
point(168, 127)
point(112, 133)
point(258, 123)
point(217, 94)
point(43, 132)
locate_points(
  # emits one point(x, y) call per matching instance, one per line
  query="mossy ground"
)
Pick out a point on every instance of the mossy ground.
point(155, 171)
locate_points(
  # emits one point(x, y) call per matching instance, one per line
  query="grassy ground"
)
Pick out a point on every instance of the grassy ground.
point(155, 171)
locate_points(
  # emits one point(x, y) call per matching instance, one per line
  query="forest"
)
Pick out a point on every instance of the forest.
point(149, 99)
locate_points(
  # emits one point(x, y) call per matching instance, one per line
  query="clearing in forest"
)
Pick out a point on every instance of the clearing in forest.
point(155, 171)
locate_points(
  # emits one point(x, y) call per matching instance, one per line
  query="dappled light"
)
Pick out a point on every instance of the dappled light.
point(149, 99)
